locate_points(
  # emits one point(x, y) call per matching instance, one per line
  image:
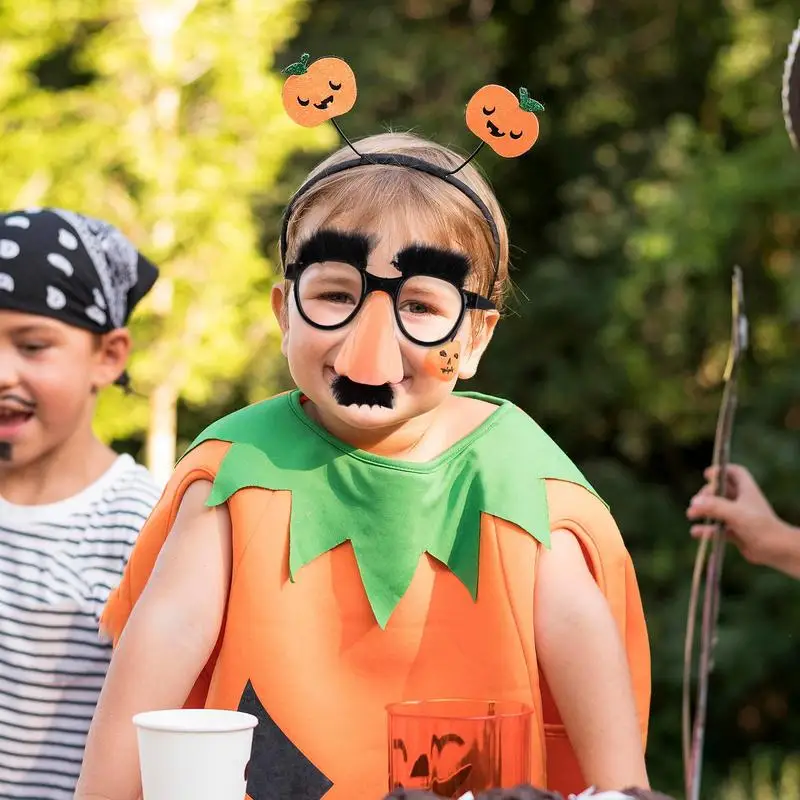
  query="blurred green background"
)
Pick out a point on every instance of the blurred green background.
point(662, 162)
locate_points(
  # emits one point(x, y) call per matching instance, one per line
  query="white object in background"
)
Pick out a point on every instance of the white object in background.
point(194, 754)
point(467, 796)
point(590, 794)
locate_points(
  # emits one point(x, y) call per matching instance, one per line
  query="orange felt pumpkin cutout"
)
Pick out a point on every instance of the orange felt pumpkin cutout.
point(316, 93)
point(505, 122)
point(442, 362)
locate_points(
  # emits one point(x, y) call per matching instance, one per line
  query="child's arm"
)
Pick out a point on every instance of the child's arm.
point(583, 659)
point(166, 643)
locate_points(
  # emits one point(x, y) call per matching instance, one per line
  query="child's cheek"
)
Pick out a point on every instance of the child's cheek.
point(442, 362)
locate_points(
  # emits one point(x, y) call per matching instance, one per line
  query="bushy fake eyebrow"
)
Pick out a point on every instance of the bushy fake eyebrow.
point(332, 245)
point(434, 261)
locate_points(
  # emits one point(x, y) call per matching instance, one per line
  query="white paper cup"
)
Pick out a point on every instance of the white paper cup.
point(194, 753)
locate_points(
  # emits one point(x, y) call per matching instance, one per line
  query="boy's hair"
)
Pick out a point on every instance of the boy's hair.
point(369, 192)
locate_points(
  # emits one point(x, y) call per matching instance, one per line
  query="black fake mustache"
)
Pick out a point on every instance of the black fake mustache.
point(5, 451)
point(347, 392)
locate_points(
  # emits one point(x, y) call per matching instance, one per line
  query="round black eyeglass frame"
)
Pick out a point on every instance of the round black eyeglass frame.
point(392, 286)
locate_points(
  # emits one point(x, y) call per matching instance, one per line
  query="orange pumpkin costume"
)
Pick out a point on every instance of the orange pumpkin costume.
point(319, 636)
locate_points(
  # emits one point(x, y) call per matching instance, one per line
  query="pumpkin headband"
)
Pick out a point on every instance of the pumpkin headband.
point(321, 91)
point(790, 94)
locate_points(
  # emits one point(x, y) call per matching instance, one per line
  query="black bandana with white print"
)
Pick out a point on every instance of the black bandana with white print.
point(78, 270)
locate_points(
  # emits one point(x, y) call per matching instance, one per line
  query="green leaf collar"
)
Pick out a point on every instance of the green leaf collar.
point(391, 511)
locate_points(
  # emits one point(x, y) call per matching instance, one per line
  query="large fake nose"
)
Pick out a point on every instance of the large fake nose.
point(371, 354)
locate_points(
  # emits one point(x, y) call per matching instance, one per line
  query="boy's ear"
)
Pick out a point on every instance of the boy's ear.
point(477, 344)
point(279, 298)
point(111, 356)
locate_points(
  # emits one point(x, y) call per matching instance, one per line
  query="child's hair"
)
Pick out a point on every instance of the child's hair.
point(368, 192)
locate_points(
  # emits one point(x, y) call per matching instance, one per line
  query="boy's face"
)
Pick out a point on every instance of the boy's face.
point(48, 371)
point(370, 349)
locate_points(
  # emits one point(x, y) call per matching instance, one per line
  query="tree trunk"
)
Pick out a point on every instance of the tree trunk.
point(161, 20)
point(162, 432)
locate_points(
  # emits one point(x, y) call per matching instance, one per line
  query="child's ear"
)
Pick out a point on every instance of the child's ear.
point(111, 356)
point(280, 309)
point(477, 344)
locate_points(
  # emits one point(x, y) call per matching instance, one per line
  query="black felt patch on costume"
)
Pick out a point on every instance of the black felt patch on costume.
point(278, 769)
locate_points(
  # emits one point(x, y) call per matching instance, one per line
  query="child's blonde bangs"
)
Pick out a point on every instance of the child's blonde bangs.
point(370, 193)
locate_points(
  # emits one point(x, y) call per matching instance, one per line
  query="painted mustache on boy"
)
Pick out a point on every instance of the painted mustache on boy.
point(14, 404)
point(12, 399)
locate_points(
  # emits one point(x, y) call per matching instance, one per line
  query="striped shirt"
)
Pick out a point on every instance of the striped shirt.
point(58, 564)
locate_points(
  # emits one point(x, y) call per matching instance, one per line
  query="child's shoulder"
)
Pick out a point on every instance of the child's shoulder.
point(518, 444)
point(128, 488)
point(114, 509)
point(237, 446)
point(268, 417)
point(502, 415)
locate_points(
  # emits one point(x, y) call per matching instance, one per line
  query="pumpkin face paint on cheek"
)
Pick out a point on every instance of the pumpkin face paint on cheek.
point(442, 362)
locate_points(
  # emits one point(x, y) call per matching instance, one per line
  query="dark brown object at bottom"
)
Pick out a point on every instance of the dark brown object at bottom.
point(522, 793)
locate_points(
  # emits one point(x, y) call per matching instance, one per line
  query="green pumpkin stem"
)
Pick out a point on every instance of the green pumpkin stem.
point(299, 67)
point(527, 103)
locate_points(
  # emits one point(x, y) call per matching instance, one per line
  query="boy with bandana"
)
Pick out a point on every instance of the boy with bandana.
point(70, 507)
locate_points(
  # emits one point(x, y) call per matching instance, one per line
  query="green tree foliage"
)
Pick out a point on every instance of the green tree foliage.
point(671, 164)
point(163, 116)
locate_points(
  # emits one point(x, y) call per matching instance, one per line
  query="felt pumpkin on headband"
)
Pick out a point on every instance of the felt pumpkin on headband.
point(506, 123)
point(315, 93)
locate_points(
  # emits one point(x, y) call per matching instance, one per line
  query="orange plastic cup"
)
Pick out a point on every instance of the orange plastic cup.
point(451, 747)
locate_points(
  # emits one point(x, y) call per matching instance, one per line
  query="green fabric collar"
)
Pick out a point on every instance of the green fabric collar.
point(391, 511)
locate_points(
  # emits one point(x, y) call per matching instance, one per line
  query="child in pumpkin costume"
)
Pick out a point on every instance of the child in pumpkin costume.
point(374, 536)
